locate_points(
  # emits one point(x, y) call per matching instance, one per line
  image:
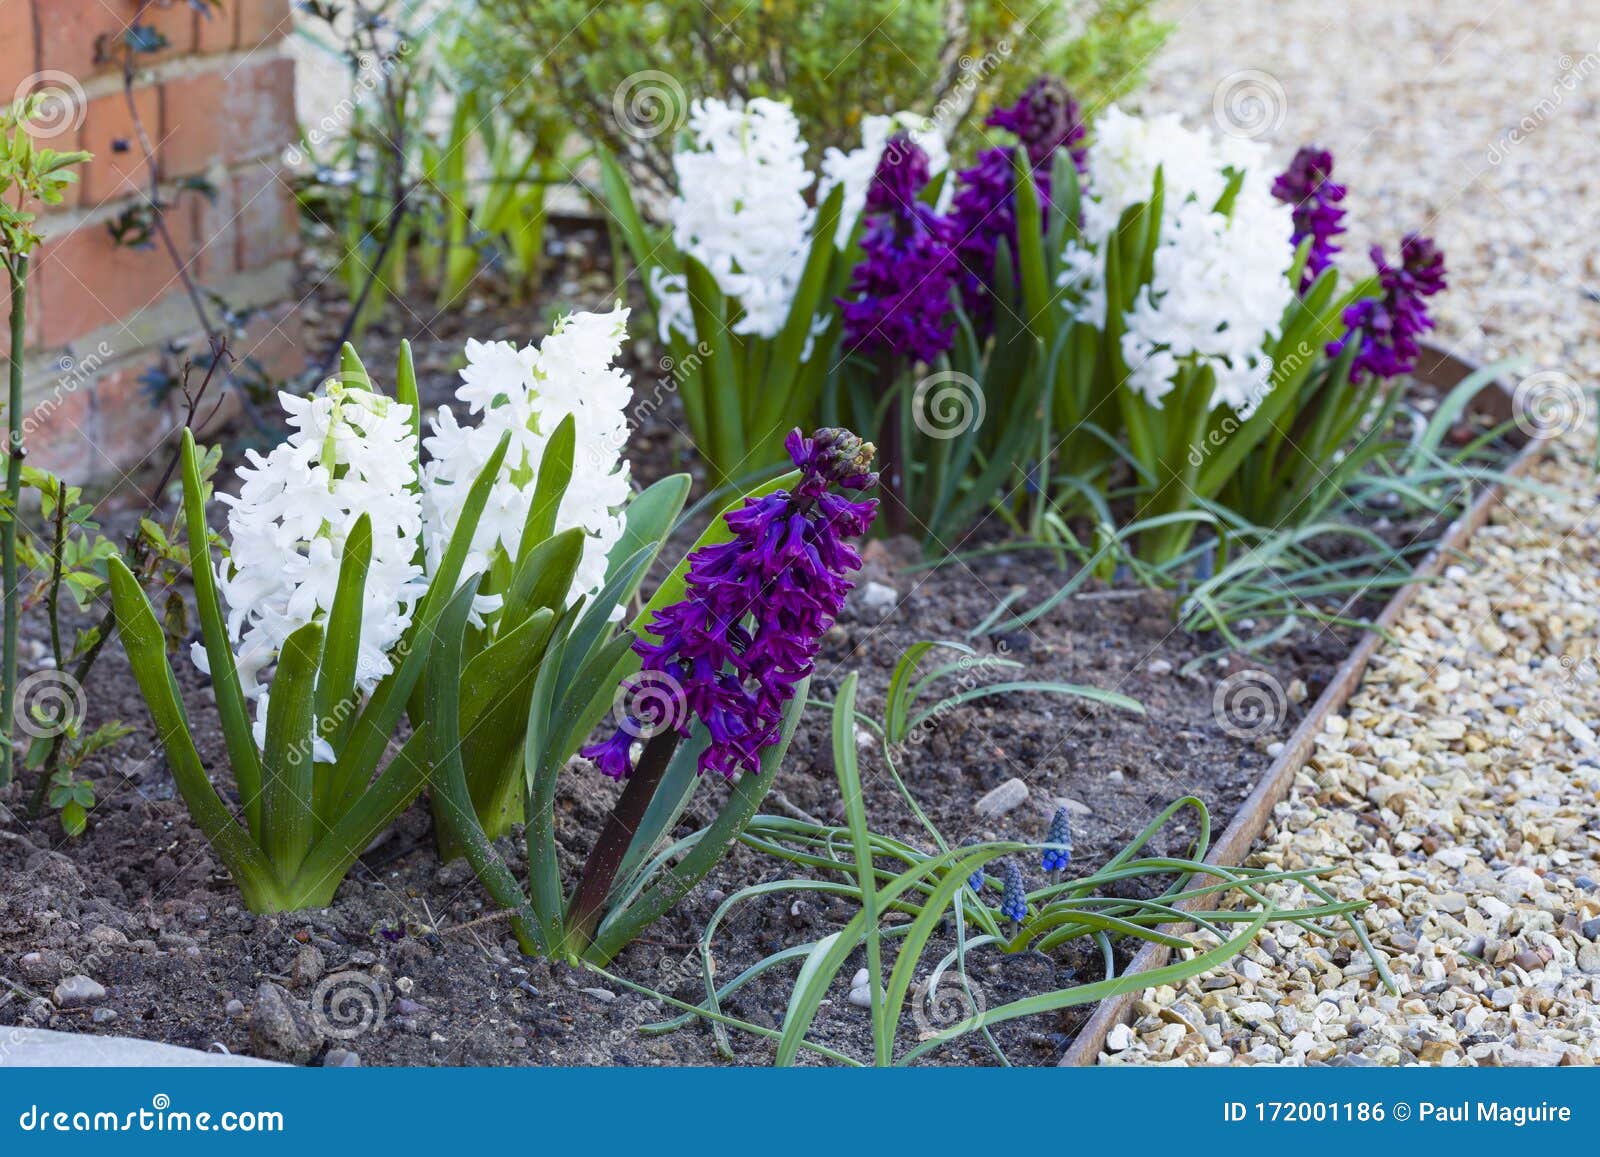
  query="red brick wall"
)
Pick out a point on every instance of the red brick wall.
point(217, 103)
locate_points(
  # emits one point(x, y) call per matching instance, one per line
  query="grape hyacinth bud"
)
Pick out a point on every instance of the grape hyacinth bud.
point(1308, 187)
point(755, 608)
point(1058, 843)
point(1045, 119)
point(1388, 326)
point(899, 301)
point(1014, 900)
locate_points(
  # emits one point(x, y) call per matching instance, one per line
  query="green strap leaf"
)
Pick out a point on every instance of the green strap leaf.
point(287, 764)
point(145, 644)
point(231, 707)
point(336, 679)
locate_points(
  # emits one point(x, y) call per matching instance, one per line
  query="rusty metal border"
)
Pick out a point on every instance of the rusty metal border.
point(1441, 370)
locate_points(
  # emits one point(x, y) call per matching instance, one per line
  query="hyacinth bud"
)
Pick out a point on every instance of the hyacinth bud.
point(845, 459)
point(1058, 842)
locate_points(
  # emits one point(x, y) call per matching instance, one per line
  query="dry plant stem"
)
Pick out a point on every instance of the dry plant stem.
point(18, 275)
point(600, 870)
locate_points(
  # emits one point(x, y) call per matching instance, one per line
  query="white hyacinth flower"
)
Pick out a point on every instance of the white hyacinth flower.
point(855, 169)
point(349, 452)
point(1220, 283)
point(529, 392)
point(741, 211)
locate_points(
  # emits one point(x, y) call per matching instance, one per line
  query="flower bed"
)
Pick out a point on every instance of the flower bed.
point(981, 737)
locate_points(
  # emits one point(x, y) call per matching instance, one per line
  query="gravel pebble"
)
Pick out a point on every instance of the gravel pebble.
point(1458, 791)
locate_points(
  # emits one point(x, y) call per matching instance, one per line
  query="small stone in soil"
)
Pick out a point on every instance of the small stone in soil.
point(78, 992)
point(282, 1028)
point(1007, 797)
point(341, 1059)
point(104, 1015)
point(308, 966)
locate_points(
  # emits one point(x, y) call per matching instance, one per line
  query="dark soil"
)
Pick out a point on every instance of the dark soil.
point(141, 904)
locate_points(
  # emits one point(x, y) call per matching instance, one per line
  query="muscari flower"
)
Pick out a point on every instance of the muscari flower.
point(1058, 842)
point(1388, 326)
point(1014, 899)
point(1044, 120)
point(529, 391)
point(755, 608)
point(1308, 187)
point(899, 301)
point(349, 452)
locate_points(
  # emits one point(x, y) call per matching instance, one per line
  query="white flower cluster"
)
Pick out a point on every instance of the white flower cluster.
point(855, 169)
point(741, 209)
point(741, 212)
point(1220, 284)
point(529, 392)
point(349, 452)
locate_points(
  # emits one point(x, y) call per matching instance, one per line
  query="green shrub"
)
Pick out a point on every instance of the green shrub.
point(624, 72)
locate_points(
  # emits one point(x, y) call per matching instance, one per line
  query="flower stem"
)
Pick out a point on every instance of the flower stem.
point(600, 870)
point(8, 531)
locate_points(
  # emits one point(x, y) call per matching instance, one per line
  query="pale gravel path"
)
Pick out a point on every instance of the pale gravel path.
point(1460, 791)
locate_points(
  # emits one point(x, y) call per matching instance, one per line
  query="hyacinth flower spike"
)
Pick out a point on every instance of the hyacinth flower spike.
point(1308, 187)
point(720, 660)
point(320, 585)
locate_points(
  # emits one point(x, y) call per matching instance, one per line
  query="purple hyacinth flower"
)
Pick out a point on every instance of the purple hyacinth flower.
point(1388, 326)
point(1307, 185)
point(1045, 120)
point(755, 608)
point(899, 301)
